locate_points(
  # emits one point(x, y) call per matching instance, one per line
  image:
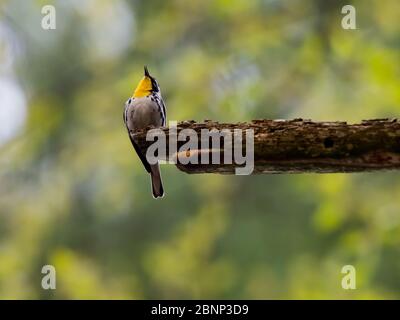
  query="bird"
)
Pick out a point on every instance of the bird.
point(145, 108)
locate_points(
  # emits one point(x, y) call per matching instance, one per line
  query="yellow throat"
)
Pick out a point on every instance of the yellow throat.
point(144, 88)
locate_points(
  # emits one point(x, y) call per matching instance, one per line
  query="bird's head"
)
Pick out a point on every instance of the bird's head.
point(146, 86)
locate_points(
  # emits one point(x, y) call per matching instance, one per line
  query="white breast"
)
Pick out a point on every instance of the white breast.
point(143, 112)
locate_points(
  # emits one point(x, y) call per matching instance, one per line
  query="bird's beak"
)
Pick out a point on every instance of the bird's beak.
point(146, 72)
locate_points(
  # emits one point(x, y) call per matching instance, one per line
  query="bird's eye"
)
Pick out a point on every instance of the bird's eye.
point(130, 100)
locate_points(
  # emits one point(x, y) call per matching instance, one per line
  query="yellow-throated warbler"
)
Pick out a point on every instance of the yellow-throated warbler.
point(146, 108)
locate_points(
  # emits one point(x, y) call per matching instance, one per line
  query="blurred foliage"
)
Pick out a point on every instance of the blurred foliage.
point(74, 194)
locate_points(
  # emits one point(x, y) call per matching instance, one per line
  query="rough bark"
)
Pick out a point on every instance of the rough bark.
point(297, 146)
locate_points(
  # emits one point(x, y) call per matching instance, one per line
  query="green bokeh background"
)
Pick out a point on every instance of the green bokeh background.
point(74, 194)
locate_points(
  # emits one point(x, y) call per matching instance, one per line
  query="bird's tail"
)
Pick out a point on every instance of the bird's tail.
point(156, 182)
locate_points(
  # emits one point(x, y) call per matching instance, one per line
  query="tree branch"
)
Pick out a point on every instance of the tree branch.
point(296, 146)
